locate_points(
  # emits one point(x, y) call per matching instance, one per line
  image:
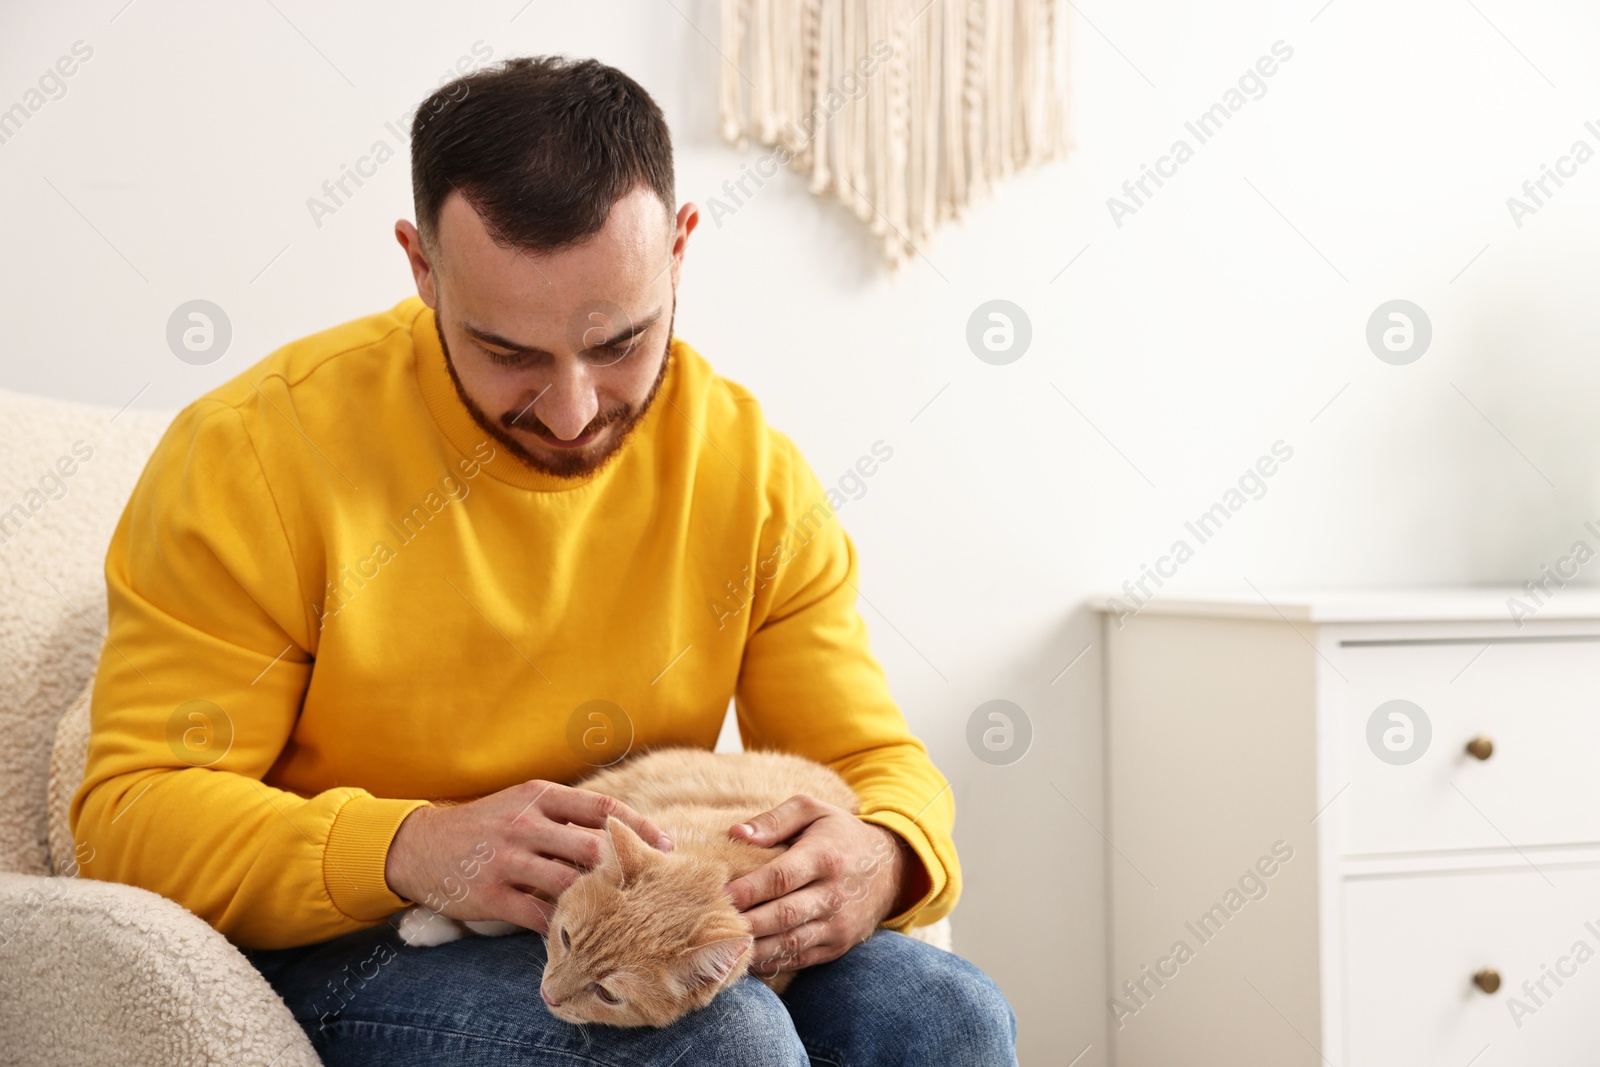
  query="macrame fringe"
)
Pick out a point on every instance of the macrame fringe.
point(907, 111)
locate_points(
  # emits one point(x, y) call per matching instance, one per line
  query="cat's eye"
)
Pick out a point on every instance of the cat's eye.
point(566, 942)
point(604, 993)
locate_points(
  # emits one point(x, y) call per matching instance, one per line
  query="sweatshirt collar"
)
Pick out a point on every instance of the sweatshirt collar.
point(458, 426)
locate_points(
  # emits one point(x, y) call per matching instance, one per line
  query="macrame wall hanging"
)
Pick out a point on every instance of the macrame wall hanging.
point(908, 111)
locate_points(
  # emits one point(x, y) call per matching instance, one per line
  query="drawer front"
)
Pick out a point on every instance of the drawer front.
point(1538, 702)
point(1414, 943)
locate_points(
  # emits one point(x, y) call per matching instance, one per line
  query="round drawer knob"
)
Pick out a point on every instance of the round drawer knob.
point(1487, 980)
point(1482, 748)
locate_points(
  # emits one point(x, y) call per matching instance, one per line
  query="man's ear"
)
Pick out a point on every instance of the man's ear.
point(624, 852)
point(417, 260)
point(683, 224)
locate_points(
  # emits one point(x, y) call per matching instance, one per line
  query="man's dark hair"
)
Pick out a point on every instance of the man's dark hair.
point(541, 147)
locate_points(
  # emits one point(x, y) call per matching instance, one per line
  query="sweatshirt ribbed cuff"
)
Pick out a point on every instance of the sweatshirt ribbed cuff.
point(923, 850)
point(358, 848)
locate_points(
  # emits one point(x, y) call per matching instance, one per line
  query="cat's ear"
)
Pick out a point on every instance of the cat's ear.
point(712, 962)
point(625, 853)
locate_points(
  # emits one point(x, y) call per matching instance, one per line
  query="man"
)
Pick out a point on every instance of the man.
point(376, 599)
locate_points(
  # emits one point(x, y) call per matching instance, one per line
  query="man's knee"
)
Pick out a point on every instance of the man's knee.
point(967, 1010)
point(746, 1024)
point(946, 1010)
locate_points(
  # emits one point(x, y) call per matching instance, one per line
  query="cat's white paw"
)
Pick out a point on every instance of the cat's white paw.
point(422, 927)
point(493, 927)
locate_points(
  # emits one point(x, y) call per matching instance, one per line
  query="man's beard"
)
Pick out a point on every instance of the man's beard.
point(566, 464)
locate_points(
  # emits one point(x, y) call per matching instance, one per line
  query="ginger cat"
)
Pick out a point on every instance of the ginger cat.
point(648, 936)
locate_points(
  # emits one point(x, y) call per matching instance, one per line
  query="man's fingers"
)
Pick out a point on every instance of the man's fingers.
point(791, 911)
point(781, 875)
point(525, 909)
point(780, 823)
point(802, 946)
point(572, 845)
point(548, 876)
point(588, 808)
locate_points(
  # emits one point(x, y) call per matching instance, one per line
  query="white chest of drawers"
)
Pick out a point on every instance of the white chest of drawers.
point(1293, 883)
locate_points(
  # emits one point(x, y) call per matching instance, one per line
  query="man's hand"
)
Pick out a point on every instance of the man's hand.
point(840, 877)
point(508, 855)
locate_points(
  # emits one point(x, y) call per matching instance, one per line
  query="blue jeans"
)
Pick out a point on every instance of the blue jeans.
point(367, 998)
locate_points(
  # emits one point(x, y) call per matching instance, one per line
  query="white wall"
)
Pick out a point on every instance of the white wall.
point(1223, 316)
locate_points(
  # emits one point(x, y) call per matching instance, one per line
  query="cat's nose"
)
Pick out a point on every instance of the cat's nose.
point(548, 999)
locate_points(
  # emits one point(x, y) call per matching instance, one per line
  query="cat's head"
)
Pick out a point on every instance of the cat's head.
point(644, 938)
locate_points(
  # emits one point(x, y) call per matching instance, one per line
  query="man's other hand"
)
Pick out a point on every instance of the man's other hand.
point(838, 879)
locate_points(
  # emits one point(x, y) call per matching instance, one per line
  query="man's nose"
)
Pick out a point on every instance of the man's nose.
point(568, 403)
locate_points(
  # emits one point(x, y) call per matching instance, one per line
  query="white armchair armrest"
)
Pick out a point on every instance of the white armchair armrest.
point(936, 934)
point(95, 972)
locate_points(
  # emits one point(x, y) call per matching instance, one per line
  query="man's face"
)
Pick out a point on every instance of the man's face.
point(557, 356)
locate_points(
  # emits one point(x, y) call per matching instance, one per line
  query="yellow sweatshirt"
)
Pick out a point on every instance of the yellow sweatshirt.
point(333, 599)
